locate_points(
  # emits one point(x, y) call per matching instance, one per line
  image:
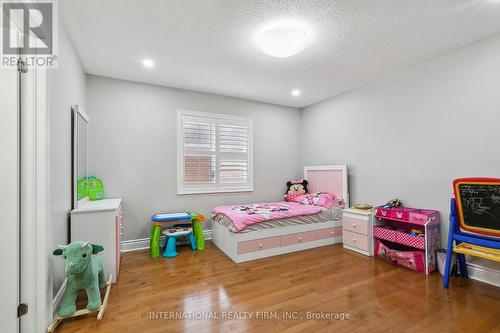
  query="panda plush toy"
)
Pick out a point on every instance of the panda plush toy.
point(295, 188)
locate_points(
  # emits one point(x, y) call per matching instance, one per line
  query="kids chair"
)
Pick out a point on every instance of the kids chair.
point(475, 209)
point(172, 235)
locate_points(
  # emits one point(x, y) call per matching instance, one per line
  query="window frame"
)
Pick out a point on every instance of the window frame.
point(218, 187)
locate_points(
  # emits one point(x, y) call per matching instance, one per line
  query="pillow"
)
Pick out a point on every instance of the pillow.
point(321, 199)
point(293, 197)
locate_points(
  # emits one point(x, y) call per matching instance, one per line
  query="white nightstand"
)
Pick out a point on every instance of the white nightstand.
point(357, 230)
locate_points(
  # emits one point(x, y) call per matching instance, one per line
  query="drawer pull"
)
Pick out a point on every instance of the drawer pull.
point(332, 233)
point(354, 225)
point(354, 240)
point(299, 238)
point(260, 245)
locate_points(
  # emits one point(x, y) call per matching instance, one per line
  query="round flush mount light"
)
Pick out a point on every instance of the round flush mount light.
point(283, 38)
point(295, 92)
point(148, 63)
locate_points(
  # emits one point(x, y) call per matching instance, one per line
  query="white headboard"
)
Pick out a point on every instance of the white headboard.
point(328, 178)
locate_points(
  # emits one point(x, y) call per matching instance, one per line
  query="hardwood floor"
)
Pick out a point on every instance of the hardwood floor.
point(378, 296)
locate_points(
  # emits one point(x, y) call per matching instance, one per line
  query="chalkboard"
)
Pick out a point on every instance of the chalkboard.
point(479, 206)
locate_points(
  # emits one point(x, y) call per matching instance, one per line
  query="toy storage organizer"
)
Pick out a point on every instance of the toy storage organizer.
point(394, 242)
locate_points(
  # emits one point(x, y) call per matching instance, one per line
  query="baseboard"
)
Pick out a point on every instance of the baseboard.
point(143, 243)
point(56, 302)
point(484, 274)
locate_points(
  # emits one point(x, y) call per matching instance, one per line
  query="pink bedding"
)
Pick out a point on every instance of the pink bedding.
point(245, 215)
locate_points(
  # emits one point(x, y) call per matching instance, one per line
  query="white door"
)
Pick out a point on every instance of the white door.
point(9, 199)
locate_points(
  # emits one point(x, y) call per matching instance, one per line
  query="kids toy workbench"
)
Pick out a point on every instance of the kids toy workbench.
point(161, 220)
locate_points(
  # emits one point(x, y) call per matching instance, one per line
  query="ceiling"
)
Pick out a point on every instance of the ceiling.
point(207, 45)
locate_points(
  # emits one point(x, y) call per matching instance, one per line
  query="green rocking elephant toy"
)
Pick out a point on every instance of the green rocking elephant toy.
point(84, 270)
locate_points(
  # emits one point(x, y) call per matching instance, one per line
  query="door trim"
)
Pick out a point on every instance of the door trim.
point(36, 284)
point(9, 197)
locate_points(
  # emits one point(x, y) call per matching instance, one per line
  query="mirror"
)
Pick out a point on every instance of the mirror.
point(80, 157)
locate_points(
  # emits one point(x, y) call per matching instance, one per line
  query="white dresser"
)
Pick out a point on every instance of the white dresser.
point(357, 230)
point(100, 222)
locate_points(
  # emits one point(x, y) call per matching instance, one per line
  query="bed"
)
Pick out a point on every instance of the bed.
point(275, 237)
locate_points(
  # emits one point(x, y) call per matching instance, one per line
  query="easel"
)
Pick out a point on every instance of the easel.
point(474, 245)
point(100, 311)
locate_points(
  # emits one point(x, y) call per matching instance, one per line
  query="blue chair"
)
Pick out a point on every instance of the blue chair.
point(171, 240)
point(457, 236)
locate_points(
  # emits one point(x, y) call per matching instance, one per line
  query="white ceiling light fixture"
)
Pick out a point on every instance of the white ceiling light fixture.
point(148, 63)
point(283, 38)
point(295, 92)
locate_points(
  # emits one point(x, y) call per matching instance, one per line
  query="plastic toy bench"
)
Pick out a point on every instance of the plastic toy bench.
point(159, 220)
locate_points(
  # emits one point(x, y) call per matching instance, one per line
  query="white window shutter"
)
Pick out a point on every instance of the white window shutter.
point(199, 169)
point(214, 153)
point(233, 139)
point(233, 171)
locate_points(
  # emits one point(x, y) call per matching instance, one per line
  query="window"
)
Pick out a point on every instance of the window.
point(214, 153)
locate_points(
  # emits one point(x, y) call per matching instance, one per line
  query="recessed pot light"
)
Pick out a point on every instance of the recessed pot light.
point(148, 63)
point(283, 38)
point(295, 92)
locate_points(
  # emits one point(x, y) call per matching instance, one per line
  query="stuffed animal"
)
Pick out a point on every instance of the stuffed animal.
point(297, 187)
point(84, 270)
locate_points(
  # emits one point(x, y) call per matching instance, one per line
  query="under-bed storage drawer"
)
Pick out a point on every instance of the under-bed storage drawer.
point(355, 240)
point(328, 233)
point(300, 237)
point(259, 244)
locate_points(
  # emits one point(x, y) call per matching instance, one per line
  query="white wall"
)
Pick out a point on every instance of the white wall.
point(132, 147)
point(410, 134)
point(65, 87)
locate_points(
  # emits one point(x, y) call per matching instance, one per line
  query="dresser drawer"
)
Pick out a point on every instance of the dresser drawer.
point(258, 244)
point(355, 240)
point(328, 233)
point(298, 238)
point(355, 224)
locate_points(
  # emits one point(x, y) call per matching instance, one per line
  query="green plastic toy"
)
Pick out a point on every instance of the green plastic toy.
point(96, 188)
point(91, 187)
point(84, 271)
point(198, 232)
point(82, 188)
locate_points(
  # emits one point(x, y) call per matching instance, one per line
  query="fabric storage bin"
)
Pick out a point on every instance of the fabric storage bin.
point(422, 216)
point(410, 240)
point(401, 214)
point(414, 260)
point(384, 233)
point(383, 212)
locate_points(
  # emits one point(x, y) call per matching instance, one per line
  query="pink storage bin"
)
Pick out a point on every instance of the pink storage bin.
point(410, 240)
point(401, 214)
point(421, 216)
point(384, 233)
point(414, 260)
point(383, 212)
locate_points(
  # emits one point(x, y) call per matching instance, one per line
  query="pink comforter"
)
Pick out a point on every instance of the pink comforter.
point(245, 215)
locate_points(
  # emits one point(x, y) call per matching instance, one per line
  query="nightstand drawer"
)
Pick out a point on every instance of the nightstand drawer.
point(355, 224)
point(328, 233)
point(355, 240)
